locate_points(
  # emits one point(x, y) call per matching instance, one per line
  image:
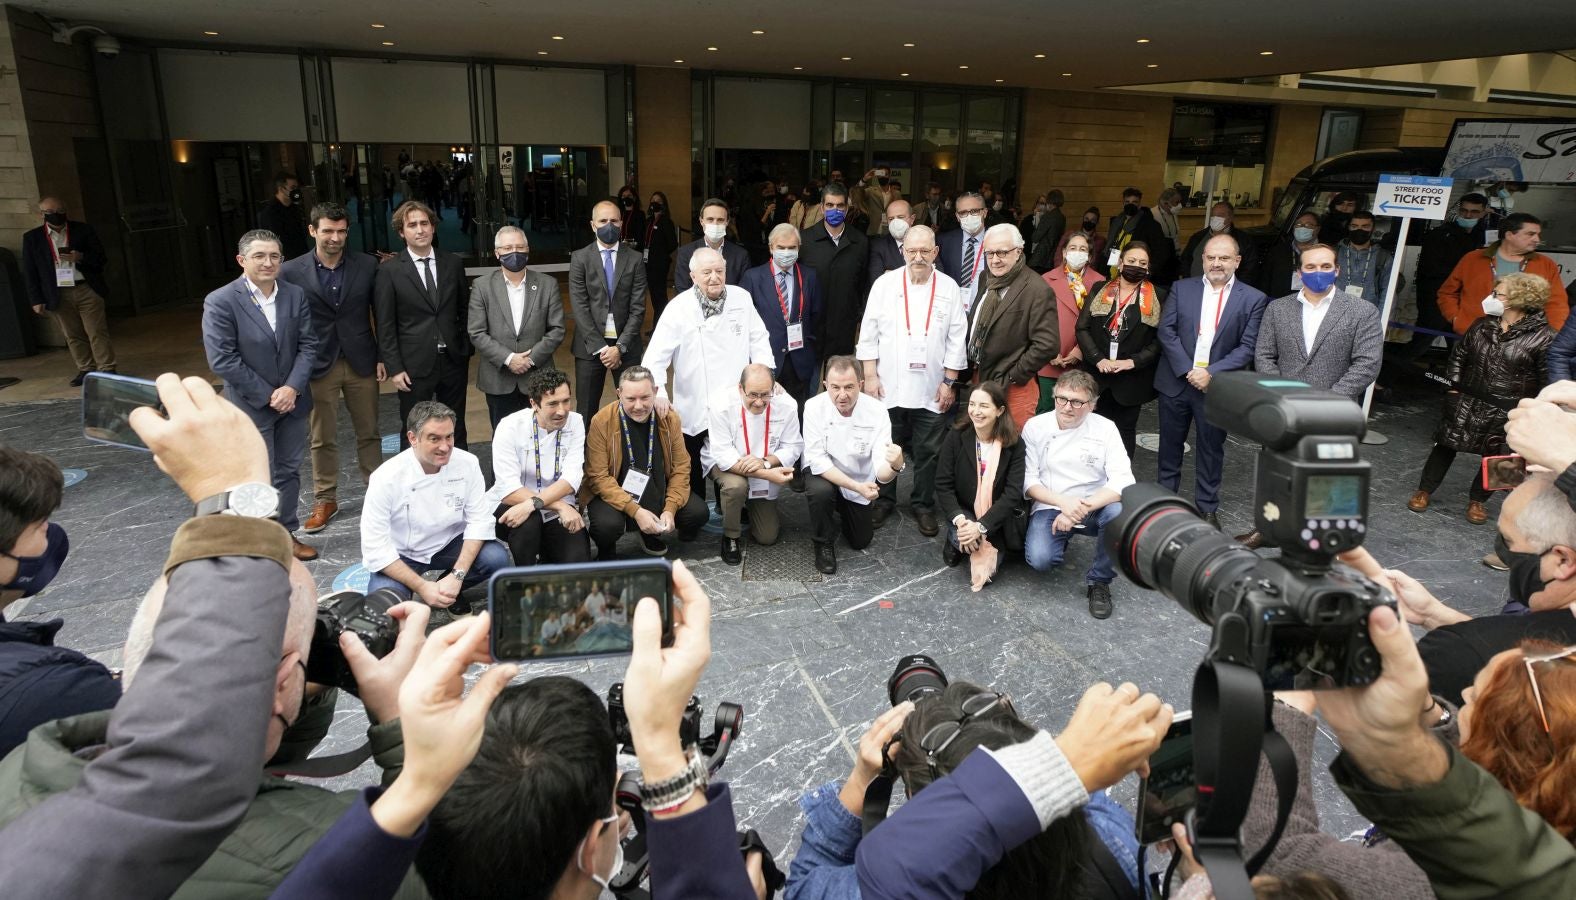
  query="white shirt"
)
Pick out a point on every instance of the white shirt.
point(550, 630)
point(516, 294)
point(1313, 317)
point(412, 514)
point(422, 267)
point(851, 444)
point(706, 354)
point(61, 238)
point(1212, 306)
point(268, 304)
point(726, 442)
point(596, 606)
point(898, 344)
point(516, 443)
point(1076, 462)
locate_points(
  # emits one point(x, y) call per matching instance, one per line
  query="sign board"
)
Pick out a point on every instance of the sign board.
point(1541, 151)
point(1412, 196)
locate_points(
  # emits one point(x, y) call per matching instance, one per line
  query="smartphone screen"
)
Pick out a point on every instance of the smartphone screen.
point(107, 402)
point(574, 610)
point(1503, 473)
point(1170, 790)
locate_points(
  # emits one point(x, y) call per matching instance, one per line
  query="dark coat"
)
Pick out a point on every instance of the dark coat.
point(287, 224)
point(410, 323)
point(1019, 335)
point(885, 255)
point(1162, 250)
point(1136, 341)
point(842, 271)
point(40, 682)
point(253, 359)
point(1491, 370)
point(1045, 238)
point(1191, 265)
point(589, 300)
point(759, 282)
point(38, 263)
point(734, 257)
point(343, 328)
point(957, 478)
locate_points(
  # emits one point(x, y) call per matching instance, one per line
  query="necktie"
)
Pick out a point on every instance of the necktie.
point(426, 277)
point(607, 272)
point(968, 264)
point(782, 288)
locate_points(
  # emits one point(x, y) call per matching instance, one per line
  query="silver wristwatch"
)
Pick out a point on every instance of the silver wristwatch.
point(251, 498)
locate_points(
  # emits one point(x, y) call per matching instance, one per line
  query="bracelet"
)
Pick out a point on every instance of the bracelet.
point(673, 792)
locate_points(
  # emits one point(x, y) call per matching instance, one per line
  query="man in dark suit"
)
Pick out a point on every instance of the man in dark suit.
point(338, 287)
point(714, 234)
point(840, 258)
point(886, 249)
point(1221, 221)
point(258, 334)
point(421, 320)
point(935, 211)
point(1208, 325)
point(961, 253)
point(516, 324)
point(787, 294)
point(607, 294)
point(282, 216)
point(63, 268)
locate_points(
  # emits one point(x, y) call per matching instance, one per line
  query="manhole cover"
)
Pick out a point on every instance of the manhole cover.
point(782, 561)
point(1151, 442)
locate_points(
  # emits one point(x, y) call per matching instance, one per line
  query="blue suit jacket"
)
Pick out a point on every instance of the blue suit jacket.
point(1235, 336)
point(253, 359)
point(759, 282)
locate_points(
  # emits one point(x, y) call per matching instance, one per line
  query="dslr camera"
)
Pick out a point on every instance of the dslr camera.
point(1300, 621)
point(364, 615)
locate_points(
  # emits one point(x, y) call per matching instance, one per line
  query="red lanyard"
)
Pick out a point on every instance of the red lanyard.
point(1220, 306)
point(66, 233)
point(1115, 325)
point(783, 302)
point(651, 228)
point(744, 426)
point(932, 308)
point(979, 256)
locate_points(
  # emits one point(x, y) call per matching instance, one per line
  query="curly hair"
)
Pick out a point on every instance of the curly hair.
point(1524, 291)
point(1508, 741)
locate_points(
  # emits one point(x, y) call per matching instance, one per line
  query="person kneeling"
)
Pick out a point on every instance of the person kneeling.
point(1075, 471)
point(849, 451)
point(982, 486)
point(750, 472)
point(541, 524)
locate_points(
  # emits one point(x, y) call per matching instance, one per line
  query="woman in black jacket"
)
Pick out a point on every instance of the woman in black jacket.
point(1499, 360)
point(659, 240)
point(1123, 315)
point(979, 484)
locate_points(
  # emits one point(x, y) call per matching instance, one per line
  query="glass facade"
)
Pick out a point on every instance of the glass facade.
point(1218, 151)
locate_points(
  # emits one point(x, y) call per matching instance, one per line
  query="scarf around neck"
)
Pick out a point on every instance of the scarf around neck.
point(1105, 301)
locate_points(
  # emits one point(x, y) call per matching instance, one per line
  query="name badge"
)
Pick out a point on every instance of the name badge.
point(1355, 291)
point(863, 437)
point(1116, 348)
point(610, 330)
point(760, 489)
point(549, 515)
point(454, 501)
point(1491, 234)
point(66, 275)
point(646, 254)
point(795, 335)
point(1115, 257)
point(1296, 281)
point(635, 483)
point(1201, 354)
point(918, 349)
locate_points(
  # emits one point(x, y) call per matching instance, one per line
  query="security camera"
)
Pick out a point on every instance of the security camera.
point(106, 45)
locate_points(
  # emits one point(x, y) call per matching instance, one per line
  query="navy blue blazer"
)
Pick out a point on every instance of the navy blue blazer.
point(760, 282)
point(253, 359)
point(1235, 336)
point(344, 329)
point(38, 263)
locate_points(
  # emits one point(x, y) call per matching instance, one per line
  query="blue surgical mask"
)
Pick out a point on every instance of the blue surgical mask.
point(1302, 234)
point(1466, 223)
point(836, 217)
point(1318, 282)
point(33, 573)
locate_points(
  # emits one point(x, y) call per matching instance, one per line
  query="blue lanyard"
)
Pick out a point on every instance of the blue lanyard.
point(651, 440)
point(1368, 263)
point(558, 447)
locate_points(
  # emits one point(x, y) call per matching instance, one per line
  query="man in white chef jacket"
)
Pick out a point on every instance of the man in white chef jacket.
point(427, 509)
point(752, 443)
point(706, 334)
point(849, 451)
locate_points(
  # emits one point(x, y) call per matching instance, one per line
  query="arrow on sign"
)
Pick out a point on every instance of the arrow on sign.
point(1385, 206)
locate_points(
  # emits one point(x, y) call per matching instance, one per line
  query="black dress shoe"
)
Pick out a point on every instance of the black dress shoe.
point(950, 554)
point(1212, 519)
point(880, 514)
point(1252, 540)
point(1100, 605)
point(927, 523)
point(77, 381)
point(825, 558)
point(653, 545)
point(732, 553)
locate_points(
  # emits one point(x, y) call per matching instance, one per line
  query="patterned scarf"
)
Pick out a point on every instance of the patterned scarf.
point(1148, 305)
point(709, 307)
point(1076, 282)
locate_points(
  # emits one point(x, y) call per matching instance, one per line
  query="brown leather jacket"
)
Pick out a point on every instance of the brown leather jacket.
point(604, 453)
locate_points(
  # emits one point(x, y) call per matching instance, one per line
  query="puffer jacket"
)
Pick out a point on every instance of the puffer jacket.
point(1491, 370)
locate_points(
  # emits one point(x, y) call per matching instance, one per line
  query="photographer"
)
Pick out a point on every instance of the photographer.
point(39, 682)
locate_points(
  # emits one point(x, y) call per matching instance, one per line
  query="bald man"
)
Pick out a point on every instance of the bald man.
point(63, 267)
point(607, 293)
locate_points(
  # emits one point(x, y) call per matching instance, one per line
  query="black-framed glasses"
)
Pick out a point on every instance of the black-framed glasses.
point(1000, 254)
point(940, 736)
point(1072, 404)
point(1531, 659)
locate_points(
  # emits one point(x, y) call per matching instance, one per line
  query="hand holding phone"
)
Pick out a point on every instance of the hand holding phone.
point(1503, 473)
point(1170, 789)
point(575, 610)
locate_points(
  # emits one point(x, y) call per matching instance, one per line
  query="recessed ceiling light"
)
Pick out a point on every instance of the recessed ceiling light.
point(1266, 52)
point(378, 25)
point(1039, 56)
point(711, 48)
point(388, 43)
point(963, 67)
point(558, 37)
point(909, 44)
point(541, 53)
point(847, 58)
point(757, 31)
point(902, 74)
point(798, 68)
point(1067, 74)
point(1143, 40)
point(678, 60)
point(1154, 65)
point(211, 33)
point(1000, 80)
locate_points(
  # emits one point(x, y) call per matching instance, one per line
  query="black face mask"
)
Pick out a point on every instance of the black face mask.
point(56, 219)
point(1525, 579)
point(1134, 274)
point(627, 202)
point(1359, 236)
point(1089, 224)
point(295, 196)
point(1129, 209)
point(653, 209)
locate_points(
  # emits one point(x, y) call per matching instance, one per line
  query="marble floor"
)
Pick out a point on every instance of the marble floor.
point(809, 660)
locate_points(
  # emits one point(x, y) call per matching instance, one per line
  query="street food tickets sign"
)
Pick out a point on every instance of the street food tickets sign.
point(1540, 152)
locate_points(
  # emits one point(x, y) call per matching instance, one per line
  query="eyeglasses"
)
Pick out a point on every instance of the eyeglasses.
point(972, 212)
point(266, 257)
point(940, 736)
point(758, 395)
point(1000, 254)
point(1529, 660)
point(918, 252)
point(1072, 404)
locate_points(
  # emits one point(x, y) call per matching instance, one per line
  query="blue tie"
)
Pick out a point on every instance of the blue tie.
point(607, 271)
point(782, 287)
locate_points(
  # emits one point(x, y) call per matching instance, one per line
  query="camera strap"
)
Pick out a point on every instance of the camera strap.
point(1230, 717)
point(329, 766)
point(878, 799)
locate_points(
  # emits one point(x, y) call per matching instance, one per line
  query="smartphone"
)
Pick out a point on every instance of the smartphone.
point(1502, 473)
point(574, 610)
point(881, 172)
point(1170, 790)
point(107, 402)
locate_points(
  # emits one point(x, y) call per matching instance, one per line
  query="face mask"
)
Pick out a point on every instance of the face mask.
point(1217, 223)
point(34, 572)
point(1302, 234)
point(1130, 209)
point(514, 262)
point(1525, 579)
point(785, 258)
point(1359, 236)
point(1089, 224)
point(618, 857)
point(897, 228)
point(607, 234)
point(1134, 274)
point(627, 202)
point(715, 233)
point(653, 209)
point(1318, 282)
point(1076, 259)
point(836, 217)
point(56, 219)
point(1493, 306)
point(1466, 223)
point(996, 206)
point(783, 189)
point(971, 224)
point(295, 196)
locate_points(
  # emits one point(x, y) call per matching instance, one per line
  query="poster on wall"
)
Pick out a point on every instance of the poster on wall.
point(1541, 151)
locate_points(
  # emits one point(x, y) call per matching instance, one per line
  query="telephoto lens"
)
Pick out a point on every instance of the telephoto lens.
point(1159, 542)
point(917, 676)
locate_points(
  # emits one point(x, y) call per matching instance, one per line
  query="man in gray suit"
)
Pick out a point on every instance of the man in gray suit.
point(516, 322)
point(1320, 335)
point(258, 334)
point(607, 292)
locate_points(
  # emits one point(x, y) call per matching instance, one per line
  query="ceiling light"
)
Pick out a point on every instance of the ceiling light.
point(1000, 80)
point(847, 58)
point(711, 48)
point(908, 45)
point(798, 68)
point(1154, 65)
point(388, 43)
point(678, 60)
point(902, 74)
point(1039, 56)
point(211, 33)
point(541, 53)
point(757, 31)
point(1067, 74)
point(378, 25)
point(1143, 40)
point(558, 37)
point(963, 67)
point(1266, 52)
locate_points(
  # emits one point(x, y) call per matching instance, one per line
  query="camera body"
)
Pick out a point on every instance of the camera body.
point(364, 615)
point(1299, 621)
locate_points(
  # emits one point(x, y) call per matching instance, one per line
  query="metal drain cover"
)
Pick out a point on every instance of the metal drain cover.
point(782, 561)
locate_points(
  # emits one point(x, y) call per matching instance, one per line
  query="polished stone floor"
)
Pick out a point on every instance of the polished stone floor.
point(809, 660)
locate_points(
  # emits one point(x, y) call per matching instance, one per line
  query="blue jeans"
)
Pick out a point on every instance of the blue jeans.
point(493, 556)
point(1043, 549)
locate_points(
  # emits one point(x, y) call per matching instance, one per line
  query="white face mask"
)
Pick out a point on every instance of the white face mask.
point(1076, 259)
point(897, 228)
point(996, 206)
point(715, 233)
point(785, 258)
point(1217, 223)
point(1493, 306)
point(971, 224)
point(618, 857)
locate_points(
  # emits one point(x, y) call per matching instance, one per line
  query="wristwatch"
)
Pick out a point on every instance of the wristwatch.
point(537, 502)
point(251, 498)
point(673, 791)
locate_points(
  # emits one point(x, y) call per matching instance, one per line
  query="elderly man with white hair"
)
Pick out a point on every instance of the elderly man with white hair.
point(516, 322)
point(707, 334)
point(1013, 329)
point(911, 344)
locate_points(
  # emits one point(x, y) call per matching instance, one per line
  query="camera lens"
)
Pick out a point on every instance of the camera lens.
point(1159, 542)
point(916, 676)
point(382, 600)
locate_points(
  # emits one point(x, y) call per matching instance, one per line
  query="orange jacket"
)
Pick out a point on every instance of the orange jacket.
point(1472, 280)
